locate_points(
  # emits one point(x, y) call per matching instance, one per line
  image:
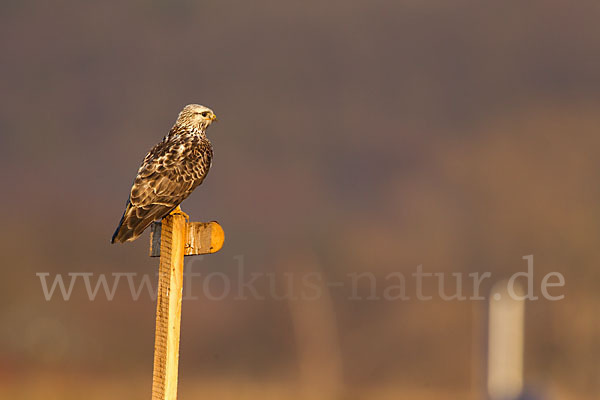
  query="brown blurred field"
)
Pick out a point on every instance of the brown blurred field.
point(353, 136)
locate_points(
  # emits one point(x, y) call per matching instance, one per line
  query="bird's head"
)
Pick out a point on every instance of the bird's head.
point(195, 116)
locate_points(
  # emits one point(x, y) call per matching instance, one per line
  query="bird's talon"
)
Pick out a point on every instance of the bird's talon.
point(179, 211)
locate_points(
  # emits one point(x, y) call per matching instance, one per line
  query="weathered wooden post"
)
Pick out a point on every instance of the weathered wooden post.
point(172, 239)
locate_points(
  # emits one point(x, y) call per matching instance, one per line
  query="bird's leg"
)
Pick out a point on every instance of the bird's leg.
point(178, 210)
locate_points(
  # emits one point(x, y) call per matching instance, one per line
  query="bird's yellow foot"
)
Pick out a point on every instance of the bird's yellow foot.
point(179, 211)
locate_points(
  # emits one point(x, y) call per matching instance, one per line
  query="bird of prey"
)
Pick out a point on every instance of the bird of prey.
point(169, 172)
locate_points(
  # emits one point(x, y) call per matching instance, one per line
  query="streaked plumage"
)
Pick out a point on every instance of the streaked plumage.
point(169, 173)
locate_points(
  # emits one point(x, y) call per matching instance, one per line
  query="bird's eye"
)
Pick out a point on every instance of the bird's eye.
point(204, 114)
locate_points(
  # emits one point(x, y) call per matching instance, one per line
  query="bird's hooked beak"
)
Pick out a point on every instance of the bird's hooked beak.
point(213, 117)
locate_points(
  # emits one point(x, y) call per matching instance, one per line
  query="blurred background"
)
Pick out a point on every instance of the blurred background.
point(353, 137)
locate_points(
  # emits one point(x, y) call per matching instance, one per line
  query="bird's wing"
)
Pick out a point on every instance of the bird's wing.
point(169, 173)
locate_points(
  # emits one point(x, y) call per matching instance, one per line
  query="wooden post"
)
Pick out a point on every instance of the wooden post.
point(172, 239)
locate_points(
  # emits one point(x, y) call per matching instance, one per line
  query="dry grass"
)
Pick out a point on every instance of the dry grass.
point(50, 386)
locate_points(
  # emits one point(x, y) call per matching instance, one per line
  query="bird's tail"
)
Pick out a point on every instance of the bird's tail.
point(136, 219)
point(119, 235)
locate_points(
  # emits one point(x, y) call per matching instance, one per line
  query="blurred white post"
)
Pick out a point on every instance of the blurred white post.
point(315, 330)
point(505, 343)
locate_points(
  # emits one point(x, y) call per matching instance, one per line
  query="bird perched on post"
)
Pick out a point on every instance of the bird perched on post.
point(169, 173)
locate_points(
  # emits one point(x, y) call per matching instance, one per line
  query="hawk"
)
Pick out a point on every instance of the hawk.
point(169, 172)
